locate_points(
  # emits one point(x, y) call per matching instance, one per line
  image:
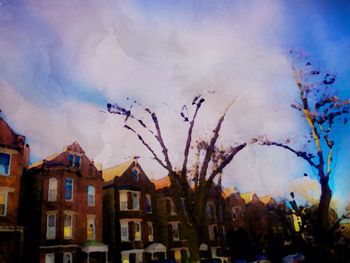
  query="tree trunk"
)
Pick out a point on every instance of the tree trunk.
point(193, 245)
point(323, 208)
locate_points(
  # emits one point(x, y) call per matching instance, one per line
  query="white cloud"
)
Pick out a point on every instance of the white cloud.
point(163, 61)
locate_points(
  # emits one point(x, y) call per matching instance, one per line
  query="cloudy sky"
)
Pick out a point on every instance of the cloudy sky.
point(62, 61)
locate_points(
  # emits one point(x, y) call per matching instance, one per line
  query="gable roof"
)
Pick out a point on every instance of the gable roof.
point(38, 163)
point(9, 136)
point(161, 183)
point(118, 170)
point(247, 197)
point(74, 147)
point(226, 192)
point(265, 199)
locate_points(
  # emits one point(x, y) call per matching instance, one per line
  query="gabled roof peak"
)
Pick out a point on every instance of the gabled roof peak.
point(74, 147)
point(117, 170)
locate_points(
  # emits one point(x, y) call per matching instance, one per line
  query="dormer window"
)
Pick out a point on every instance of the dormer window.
point(74, 160)
point(5, 164)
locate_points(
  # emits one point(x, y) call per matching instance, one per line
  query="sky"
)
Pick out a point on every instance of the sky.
point(61, 62)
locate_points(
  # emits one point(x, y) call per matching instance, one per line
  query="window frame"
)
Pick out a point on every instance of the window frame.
point(49, 257)
point(175, 229)
point(125, 225)
point(49, 197)
point(72, 191)
point(211, 232)
point(71, 214)
point(150, 231)
point(123, 202)
point(5, 203)
point(135, 196)
point(52, 228)
point(93, 218)
point(72, 160)
point(135, 173)
point(148, 204)
point(70, 254)
point(9, 164)
point(94, 195)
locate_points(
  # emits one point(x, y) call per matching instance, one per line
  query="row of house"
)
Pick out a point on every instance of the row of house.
point(65, 208)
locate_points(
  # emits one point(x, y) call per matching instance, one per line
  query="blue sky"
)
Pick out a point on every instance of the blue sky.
point(61, 62)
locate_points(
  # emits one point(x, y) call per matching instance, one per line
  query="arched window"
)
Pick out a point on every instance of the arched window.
point(91, 195)
point(52, 192)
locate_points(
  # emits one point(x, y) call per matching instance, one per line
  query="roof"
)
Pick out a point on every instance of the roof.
point(75, 147)
point(265, 199)
point(38, 163)
point(162, 182)
point(247, 197)
point(226, 192)
point(118, 170)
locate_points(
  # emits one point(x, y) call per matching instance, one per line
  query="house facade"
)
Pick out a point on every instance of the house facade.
point(171, 232)
point(62, 209)
point(130, 214)
point(14, 157)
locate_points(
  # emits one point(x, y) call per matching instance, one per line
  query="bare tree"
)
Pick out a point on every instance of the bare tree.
point(320, 107)
point(190, 184)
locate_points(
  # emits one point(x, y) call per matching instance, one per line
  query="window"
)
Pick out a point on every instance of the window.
point(50, 258)
point(67, 257)
point(77, 161)
point(91, 195)
point(173, 229)
point(223, 231)
point(134, 231)
point(68, 189)
point(148, 204)
point(3, 203)
point(135, 201)
point(124, 231)
point(129, 200)
point(170, 207)
point(52, 194)
point(137, 231)
point(135, 171)
point(210, 210)
point(130, 230)
point(213, 232)
point(236, 210)
point(51, 225)
point(150, 231)
point(4, 163)
point(123, 197)
point(74, 160)
point(68, 226)
point(91, 227)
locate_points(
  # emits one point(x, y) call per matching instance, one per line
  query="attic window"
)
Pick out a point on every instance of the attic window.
point(135, 171)
point(74, 160)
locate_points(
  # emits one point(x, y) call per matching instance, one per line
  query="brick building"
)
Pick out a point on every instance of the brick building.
point(130, 214)
point(170, 227)
point(62, 209)
point(14, 156)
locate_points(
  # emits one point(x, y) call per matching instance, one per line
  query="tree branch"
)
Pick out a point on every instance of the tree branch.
point(147, 146)
point(224, 163)
point(211, 148)
point(189, 138)
point(304, 155)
